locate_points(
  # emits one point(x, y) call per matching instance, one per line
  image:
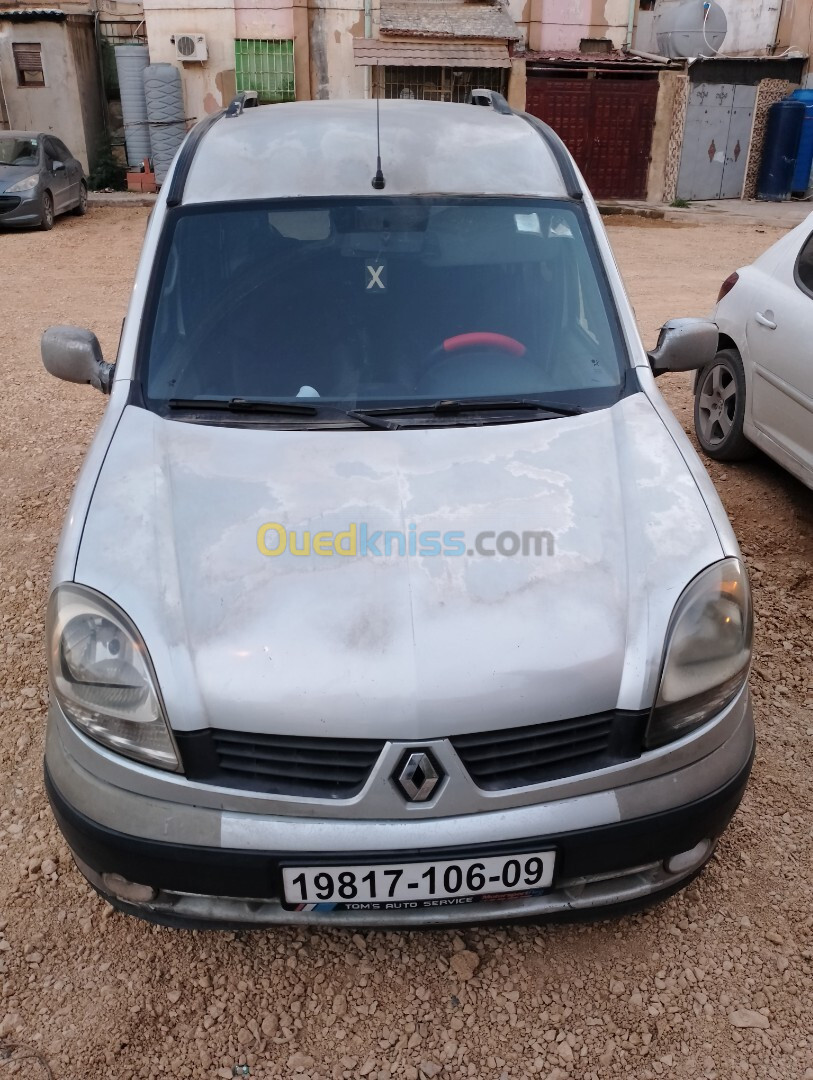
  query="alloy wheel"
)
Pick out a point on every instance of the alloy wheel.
point(47, 212)
point(717, 404)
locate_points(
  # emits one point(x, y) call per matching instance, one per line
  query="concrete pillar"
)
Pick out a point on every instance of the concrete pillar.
point(671, 86)
point(516, 84)
point(302, 51)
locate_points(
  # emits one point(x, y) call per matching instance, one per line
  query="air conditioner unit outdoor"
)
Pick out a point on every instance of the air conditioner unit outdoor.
point(190, 47)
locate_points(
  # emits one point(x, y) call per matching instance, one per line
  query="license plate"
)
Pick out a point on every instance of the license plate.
point(418, 884)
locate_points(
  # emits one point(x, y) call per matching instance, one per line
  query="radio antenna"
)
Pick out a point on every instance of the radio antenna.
point(378, 180)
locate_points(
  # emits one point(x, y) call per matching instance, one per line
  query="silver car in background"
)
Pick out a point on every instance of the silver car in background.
point(758, 390)
point(39, 179)
point(391, 592)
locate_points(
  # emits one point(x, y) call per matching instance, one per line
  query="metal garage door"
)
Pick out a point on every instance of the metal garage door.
point(606, 124)
point(715, 141)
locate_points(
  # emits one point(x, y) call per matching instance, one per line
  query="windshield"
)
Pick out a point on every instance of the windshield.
point(18, 151)
point(373, 303)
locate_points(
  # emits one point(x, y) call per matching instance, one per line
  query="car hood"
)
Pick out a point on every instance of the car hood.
point(411, 646)
point(11, 174)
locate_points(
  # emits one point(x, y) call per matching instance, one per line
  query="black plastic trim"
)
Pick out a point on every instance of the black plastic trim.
point(797, 277)
point(253, 874)
point(491, 99)
point(246, 99)
point(308, 767)
point(537, 753)
point(495, 760)
point(186, 157)
point(560, 152)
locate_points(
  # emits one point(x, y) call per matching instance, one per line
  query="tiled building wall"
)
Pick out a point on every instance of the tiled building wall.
point(768, 93)
point(676, 142)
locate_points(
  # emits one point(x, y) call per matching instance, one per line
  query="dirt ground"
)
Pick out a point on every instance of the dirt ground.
point(97, 994)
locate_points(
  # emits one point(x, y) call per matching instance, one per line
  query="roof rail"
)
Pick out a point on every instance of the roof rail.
point(560, 153)
point(185, 156)
point(492, 99)
point(246, 99)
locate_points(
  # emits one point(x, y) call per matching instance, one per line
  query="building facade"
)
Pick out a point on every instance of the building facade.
point(49, 77)
point(635, 120)
point(246, 44)
point(687, 125)
point(641, 124)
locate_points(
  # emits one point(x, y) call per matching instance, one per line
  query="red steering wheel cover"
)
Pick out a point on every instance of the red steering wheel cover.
point(485, 337)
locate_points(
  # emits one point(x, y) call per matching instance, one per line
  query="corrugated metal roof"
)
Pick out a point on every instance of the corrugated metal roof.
point(575, 58)
point(33, 14)
point(370, 52)
point(453, 20)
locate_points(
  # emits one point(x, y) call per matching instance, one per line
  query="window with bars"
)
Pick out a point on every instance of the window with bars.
point(28, 63)
point(440, 83)
point(267, 67)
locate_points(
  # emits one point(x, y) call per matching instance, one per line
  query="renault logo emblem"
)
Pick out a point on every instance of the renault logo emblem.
point(418, 775)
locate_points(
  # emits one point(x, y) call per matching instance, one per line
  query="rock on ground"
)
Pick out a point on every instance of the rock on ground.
point(652, 995)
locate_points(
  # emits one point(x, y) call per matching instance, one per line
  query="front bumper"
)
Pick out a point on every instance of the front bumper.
point(220, 868)
point(26, 211)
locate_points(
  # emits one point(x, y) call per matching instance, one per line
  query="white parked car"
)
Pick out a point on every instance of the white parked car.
point(391, 591)
point(758, 391)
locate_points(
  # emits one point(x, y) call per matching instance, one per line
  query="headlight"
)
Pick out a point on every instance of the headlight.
point(707, 654)
point(103, 679)
point(25, 185)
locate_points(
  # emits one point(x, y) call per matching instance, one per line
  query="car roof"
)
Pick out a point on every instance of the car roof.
point(328, 148)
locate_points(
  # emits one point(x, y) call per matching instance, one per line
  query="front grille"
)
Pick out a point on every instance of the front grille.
point(9, 202)
point(327, 768)
point(279, 764)
point(517, 757)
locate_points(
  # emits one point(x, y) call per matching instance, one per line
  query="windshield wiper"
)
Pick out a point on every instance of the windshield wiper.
point(456, 406)
point(238, 404)
point(378, 418)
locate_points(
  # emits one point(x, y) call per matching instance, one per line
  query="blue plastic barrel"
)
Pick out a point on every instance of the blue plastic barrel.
point(804, 158)
point(782, 134)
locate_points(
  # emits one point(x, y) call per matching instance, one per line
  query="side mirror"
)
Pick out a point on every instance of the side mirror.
point(58, 166)
point(76, 356)
point(684, 345)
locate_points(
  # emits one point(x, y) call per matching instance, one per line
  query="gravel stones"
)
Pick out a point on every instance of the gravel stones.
point(748, 1018)
point(464, 964)
point(647, 996)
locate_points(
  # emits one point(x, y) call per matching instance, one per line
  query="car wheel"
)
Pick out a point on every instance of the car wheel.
point(82, 206)
point(47, 217)
point(719, 408)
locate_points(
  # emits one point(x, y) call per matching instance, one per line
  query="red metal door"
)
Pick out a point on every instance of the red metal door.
point(605, 123)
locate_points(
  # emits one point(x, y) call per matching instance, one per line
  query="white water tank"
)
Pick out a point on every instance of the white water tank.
point(165, 112)
point(690, 28)
point(130, 63)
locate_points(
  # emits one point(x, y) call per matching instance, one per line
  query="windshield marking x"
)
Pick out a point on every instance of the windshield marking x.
point(375, 273)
